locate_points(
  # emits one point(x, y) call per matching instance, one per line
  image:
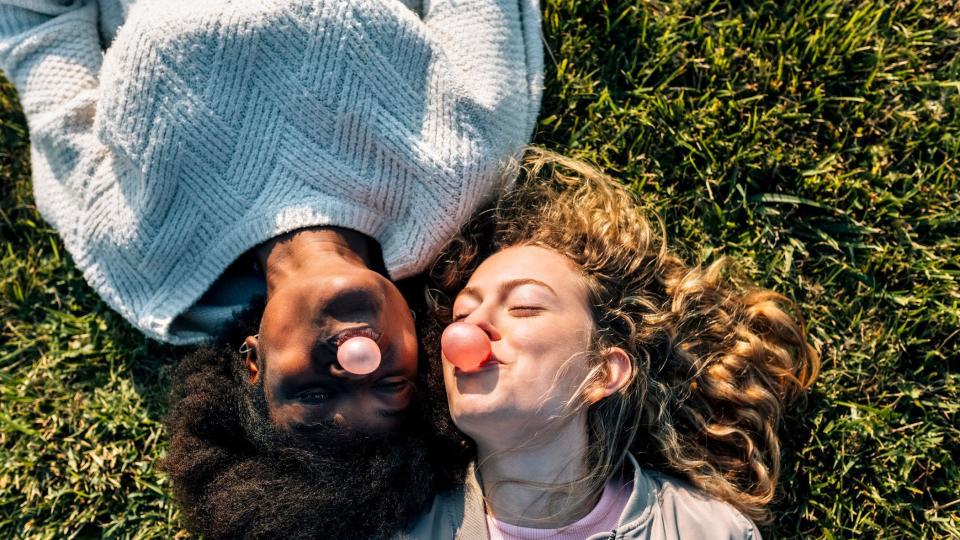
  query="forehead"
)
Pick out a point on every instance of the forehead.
point(529, 262)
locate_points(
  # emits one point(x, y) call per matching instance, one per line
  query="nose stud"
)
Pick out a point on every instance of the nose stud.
point(465, 345)
point(359, 355)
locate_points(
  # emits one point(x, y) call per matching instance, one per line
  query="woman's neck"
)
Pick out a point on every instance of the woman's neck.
point(516, 481)
point(307, 252)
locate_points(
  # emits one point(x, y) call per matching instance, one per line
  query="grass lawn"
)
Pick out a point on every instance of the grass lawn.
point(817, 141)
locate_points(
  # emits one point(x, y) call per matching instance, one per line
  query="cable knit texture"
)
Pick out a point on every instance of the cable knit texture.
point(171, 136)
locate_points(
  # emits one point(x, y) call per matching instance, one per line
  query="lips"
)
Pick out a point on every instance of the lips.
point(490, 360)
point(364, 331)
point(488, 364)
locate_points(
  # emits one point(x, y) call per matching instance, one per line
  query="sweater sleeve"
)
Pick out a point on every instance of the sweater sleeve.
point(208, 127)
point(51, 51)
point(488, 43)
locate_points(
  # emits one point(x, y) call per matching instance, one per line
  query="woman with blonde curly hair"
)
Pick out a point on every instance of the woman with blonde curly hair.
point(625, 393)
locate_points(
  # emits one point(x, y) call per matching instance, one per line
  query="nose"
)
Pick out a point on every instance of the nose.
point(483, 318)
point(323, 357)
point(337, 372)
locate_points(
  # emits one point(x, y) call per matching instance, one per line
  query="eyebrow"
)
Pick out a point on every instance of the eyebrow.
point(508, 286)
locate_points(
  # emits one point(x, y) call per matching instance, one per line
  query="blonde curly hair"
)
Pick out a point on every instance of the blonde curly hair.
point(715, 361)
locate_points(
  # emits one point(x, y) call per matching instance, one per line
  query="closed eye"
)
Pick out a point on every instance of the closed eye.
point(392, 385)
point(526, 311)
point(314, 396)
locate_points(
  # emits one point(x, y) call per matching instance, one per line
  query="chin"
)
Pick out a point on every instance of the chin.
point(475, 414)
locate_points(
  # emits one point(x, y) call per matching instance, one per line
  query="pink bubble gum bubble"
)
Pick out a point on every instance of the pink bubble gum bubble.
point(465, 345)
point(359, 355)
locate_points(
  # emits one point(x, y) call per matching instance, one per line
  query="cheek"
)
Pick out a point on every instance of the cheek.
point(285, 369)
point(448, 380)
point(552, 362)
point(548, 343)
point(533, 336)
point(459, 393)
point(408, 352)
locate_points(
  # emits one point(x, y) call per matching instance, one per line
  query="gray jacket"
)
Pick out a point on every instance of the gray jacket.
point(660, 507)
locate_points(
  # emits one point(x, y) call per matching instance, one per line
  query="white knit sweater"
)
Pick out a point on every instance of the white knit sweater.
point(171, 136)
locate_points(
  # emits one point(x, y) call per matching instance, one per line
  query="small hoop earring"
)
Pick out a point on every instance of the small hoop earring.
point(244, 348)
point(414, 315)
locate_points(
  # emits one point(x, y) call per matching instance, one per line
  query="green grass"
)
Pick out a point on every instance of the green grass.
point(816, 141)
point(81, 392)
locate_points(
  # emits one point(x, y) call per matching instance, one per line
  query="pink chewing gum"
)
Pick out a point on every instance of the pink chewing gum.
point(359, 355)
point(465, 345)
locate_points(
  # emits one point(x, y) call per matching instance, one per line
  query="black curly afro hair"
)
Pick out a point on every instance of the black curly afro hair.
point(236, 476)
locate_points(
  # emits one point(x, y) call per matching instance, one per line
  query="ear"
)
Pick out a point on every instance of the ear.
point(616, 372)
point(250, 358)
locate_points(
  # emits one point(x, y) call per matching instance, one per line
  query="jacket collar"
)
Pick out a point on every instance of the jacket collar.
point(643, 499)
point(474, 523)
point(636, 514)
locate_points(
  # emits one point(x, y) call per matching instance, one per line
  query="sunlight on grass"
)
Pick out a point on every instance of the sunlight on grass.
point(815, 141)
